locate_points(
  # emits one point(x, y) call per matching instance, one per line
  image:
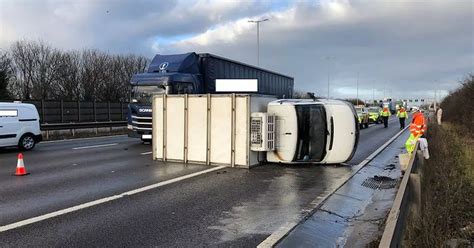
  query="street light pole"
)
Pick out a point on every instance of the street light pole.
point(329, 69)
point(373, 92)
point(384, 91)
point(258, 37)
point(357, 89)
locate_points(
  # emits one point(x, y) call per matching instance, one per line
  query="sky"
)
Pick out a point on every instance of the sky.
point(392, 48)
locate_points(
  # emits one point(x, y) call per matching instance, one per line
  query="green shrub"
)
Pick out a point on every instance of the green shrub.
point(458, 106)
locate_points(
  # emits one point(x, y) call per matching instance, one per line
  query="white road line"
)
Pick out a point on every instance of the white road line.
point(103, 200)
point(312, 207)
point(94, 146)
point(146, 153)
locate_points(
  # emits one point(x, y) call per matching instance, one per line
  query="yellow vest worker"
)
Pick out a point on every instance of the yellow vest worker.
point(385, 114)
point(402, 116)
point(410, 143)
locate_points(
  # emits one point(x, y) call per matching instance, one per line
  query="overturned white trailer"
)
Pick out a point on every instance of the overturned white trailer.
point(240, 130)
point(212, 129)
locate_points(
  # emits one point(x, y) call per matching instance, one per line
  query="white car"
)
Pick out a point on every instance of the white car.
point(19, 125)
point(313, 131)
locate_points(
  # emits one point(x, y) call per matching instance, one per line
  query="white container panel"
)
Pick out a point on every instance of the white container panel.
point(197, 129)
point(221, 128)
point(175, 128)
point(157, 133)
point(241, 131)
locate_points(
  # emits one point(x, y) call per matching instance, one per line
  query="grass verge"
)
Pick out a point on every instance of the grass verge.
point(447, 190)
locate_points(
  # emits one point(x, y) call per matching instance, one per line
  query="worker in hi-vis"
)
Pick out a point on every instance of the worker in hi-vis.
point(417, 129)
point(402, 116)
point(439, 115)
point(418, 124)
point(385, 115)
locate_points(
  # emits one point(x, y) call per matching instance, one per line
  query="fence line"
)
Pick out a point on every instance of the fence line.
point(52, 111)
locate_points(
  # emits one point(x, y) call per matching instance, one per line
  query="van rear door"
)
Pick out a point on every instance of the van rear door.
point(8, 126)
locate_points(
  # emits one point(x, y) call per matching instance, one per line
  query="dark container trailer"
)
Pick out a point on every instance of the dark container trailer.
point(269, 83)
point(202, 70)
point(193, 73)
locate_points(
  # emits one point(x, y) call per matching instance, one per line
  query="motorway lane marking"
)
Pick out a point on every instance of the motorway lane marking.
point(103, 200)
point(316, 204)
point(94, 146)
point(146, 153)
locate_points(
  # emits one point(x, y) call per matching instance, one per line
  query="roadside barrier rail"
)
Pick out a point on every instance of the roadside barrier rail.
point(81, 125)
point(407, 202)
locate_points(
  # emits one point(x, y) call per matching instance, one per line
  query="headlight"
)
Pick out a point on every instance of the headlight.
point(129, 127)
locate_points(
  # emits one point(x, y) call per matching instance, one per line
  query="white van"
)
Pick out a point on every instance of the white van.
point(313, 131)
point(19, 125)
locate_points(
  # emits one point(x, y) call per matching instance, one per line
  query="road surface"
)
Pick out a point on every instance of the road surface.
point(226, 207)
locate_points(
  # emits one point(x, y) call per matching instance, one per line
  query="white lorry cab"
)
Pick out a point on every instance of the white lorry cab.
point(19, 125)
point(313, 131)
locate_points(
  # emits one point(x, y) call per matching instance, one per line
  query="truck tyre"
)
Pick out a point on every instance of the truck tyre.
point(361, 126)
point(366, 125)
point(27, 142)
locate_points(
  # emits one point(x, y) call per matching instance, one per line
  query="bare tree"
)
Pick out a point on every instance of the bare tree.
point(35, 65)
point(42, 72)
point(68, 81)
point(117, 76)
point(47, 61)
point(23, 61)
point(6, 74)
point(93, 74)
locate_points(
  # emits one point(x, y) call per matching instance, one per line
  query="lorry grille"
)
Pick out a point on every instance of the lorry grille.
point(141, 122)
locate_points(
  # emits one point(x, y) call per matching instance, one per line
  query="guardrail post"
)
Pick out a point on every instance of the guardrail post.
point(61, 110)
point(109, 115)
point(42, 111)
point(121, 111)
point(94, 110)
point(78, 111)
point(108, 111)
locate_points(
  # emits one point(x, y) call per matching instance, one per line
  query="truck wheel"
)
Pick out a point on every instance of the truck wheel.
point(27, 142)
point(366, 125)
point(361, 126)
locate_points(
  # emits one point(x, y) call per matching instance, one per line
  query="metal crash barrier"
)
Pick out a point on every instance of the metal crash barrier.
point(406, 203)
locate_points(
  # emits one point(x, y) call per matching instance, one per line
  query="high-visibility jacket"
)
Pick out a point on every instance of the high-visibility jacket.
point(385, 112)
point(402, 114)
point(410, 143)
point(418, 124)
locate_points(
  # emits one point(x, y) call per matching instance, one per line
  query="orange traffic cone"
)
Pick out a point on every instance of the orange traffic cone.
point(20, 167)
